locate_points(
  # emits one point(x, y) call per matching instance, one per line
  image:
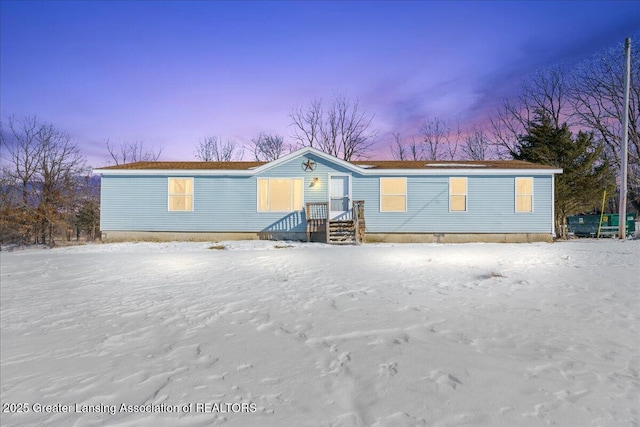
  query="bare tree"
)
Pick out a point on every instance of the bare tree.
point(508, 122)
point(23, 152)
point(476, 145)
point(398, 149)
point(21, 156)
point(131, 152)
point(40, 169)
point(597, 98)
point(455, 138)
point(307, 123)
point(439, 138)
point(546, 91)
point(406, 151)
point(340, 129)
point(213, 149)
point(267, 147)
point(60, 163)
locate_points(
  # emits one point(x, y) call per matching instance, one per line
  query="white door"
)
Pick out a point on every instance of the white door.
point(339, 197)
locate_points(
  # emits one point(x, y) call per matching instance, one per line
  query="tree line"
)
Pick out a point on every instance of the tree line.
point(45, 185)
point(340, 128)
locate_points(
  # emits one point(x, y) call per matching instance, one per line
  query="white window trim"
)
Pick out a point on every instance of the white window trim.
point(269, 194)
point(466, 194)
point(169, 194)
point(406, 193)
point(515, 196)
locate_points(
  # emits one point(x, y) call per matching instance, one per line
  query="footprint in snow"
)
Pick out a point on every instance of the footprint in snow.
point(443, 378)
point(399, 419)
point(571, 396)
point(388, 369)
point(350, 419)
point(271, 380)
point(338, 365)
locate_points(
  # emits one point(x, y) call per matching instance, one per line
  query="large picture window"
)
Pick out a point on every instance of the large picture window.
point(280, 194)
point(457, 194)
point(524, 194)
point(180, 194)
point(393, 194)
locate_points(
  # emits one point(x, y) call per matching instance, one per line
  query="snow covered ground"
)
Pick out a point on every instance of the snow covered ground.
point(289, 334)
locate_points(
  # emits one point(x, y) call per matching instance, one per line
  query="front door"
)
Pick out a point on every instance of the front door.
point(339, 197)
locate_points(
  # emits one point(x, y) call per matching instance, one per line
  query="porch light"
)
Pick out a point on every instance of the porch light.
point(315, 181)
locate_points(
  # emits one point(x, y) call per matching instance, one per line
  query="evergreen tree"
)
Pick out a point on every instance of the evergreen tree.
point(585, 176)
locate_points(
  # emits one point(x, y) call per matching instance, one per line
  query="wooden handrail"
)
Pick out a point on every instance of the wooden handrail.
point(317, 210)
point(317, 216)
point(358, 217)
point(358, 210)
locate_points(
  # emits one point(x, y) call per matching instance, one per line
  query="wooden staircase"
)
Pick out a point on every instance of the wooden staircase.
point(337, 232)
point(342, 232)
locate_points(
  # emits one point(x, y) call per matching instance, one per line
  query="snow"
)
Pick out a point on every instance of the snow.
point(292, 334)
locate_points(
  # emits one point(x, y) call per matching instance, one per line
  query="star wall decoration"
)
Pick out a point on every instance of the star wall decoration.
point(308, 165)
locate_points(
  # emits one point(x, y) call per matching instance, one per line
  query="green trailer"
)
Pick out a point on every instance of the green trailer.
point(588, 225)
point(583, 225)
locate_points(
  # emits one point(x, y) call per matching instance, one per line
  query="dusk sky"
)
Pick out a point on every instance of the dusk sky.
point(170, 73)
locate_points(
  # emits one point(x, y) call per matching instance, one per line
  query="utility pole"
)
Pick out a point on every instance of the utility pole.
point(622, 212)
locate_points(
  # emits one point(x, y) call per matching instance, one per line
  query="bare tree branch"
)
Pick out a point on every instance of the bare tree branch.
point(436, 135)
point(40, 171)
point(23, 152)
point(341, 130)
point(267, 147)
point(213, 149)
point(131, 152)
point(412, 150)
point(307, 123)
point(476, 145)
point(547, 91)
point(597, 98)
point(61, 161)
point(398, 149)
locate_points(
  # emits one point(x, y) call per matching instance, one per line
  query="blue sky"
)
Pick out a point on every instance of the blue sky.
point(170, 73)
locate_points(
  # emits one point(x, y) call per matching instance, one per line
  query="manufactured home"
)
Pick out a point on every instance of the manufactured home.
point(310, 195)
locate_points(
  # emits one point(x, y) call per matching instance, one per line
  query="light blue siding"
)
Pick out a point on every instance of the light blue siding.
point(490, 206)
point(229, 203)
point(220, 204)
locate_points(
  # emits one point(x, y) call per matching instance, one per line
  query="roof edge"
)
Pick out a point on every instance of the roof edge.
point(442, 169)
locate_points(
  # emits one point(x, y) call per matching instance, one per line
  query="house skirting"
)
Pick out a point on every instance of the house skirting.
point(164, 236)
point(458, 237)
point(170, 236)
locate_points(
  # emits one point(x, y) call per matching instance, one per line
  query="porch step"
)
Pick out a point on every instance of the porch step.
point(341, 229)
point(342, 232)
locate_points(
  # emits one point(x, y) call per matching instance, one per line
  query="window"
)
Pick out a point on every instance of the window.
point(457, 194)
point(180, 194)
point(393, 194)
point(280, 194)
point(524, 194)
